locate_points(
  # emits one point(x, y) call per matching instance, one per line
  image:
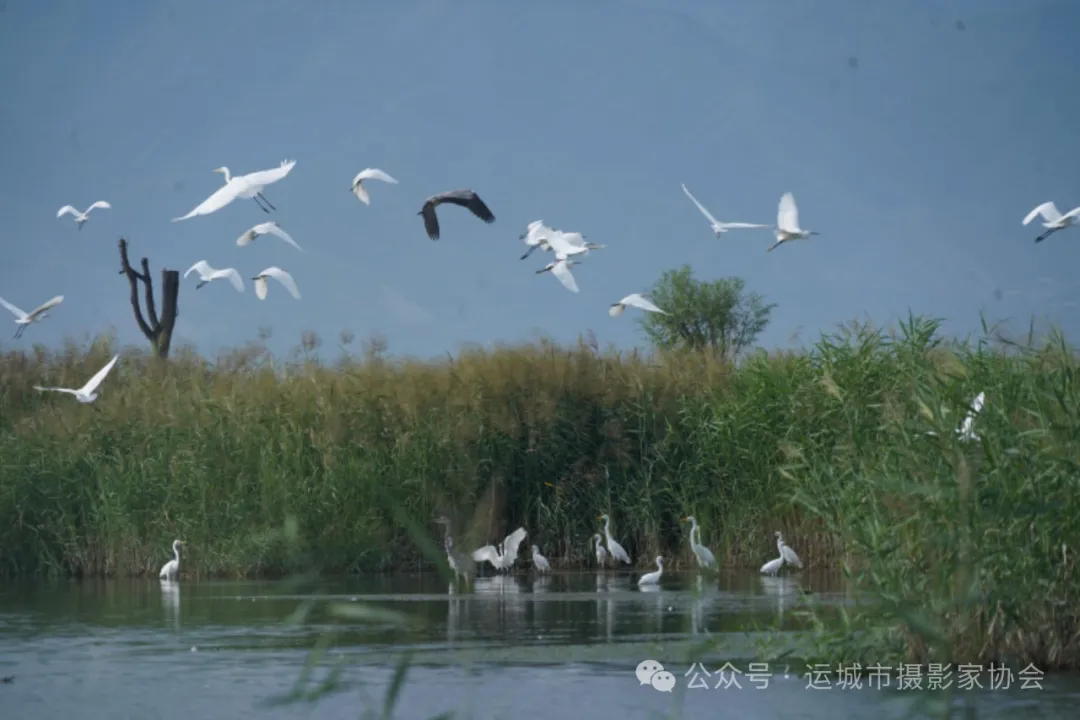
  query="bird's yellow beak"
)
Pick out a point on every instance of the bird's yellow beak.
point(549, 484)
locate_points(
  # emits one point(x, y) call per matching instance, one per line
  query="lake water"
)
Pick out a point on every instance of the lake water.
point(564, 646)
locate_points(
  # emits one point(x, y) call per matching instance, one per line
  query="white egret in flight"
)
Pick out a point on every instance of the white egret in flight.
point(208, 274)
point(171, 569)
point(278, 274)
point(266, 228)
point(787, 223)
point(82, 217)
point(24, 319)
point(633, 300)
point(616, 550)
point(243, 186)
point(464, 198)
point(536, 236)
point(601, 553)
point(539, 561)
point(1054, 219)
point(786, 552)
point(704, 556)
point(653, 578)
point(570, 244)
point(503, 556)
point(369, 174)
point(719, 228)
point(561, 269)
point(85, 394)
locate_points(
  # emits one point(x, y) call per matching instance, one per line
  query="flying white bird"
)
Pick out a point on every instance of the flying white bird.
point(87, 393)
point(615, 549)
point(561, 269)
point(24, 319)
point(171, 569)
point(278, 274)
point(719, 228)
point(464, 198)
point(633, 300)
point(653, 578)
point(539, 561)
point(82, 217)
point(787, 223)
point(536, 236)
point(1054, 219)
point(966, 430)
point(503, 555)
point(786, 552)
point(266, 228)
point(567, 244)
point(369, 174)
point(208, 274)
point(244, 186)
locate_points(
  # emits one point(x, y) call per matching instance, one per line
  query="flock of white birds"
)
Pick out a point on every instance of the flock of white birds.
point(569, 248)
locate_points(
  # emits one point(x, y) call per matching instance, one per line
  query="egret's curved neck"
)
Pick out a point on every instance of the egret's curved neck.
point(176, 551)
point(694, 529)
point(225, 172)
point(607, 528)
point(660, 564)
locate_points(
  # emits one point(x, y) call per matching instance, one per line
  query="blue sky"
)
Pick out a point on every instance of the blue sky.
point(916, 162)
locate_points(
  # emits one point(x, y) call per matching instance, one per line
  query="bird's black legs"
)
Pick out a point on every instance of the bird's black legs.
point(256, 199)
point(263, 197)
point(200, 284)
point(19, 331)
point(530, 252)
point(1045, 235)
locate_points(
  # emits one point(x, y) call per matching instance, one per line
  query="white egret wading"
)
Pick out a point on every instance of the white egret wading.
point(787, 223)
point(278, 274)
point(208, 274)
point(24, 319)
point(464, 198)
point(87, 393)
point(539, 561)
point(719, 228)
point(653, 578)
point(1053, 218)
point(614, 549)
point(369, 174)
point(503, 556)
point(601, 553)
point(703, 555)
point(633, 300)
point(244, 186)
point(266, 228)
point(457, 563)
point(171, 569)
point(786, 552)
point(82, 217)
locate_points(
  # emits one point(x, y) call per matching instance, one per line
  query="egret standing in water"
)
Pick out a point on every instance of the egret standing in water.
point(614, 549)
point(704, 556)
point(457, 563)
point(786, 552)
point(171, 569)
point(601, 553)
point(539, 561)
point(502, 556)
point(653, 578)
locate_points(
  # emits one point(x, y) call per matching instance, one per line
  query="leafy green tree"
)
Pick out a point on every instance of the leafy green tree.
point(720, 315)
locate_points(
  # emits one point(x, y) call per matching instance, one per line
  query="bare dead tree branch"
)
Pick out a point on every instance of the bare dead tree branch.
point(157, 330)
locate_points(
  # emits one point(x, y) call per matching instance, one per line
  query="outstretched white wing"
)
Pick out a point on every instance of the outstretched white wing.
point(92, 385)
point(1048, 210)
point(373, 174)
point(43, 307)
point(99, 204)
point(488, 553)
point(272, 228)
point(638, 301)
point(67, 209)
point(700, 207)
point(202, 267)
point(512, 542)
point(562, 272)
point(284, 278)
point(263, 178)
point(232, 275)
point(14, 310)
point(787, 218)
point(739, 226)
point(221, 197)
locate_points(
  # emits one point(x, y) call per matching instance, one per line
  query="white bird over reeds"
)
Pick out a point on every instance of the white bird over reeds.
point(25, 319)
point(243, 186)
point(358, 188)
point(614, 548)
point(787, 223)
point(719, 228)
point(1053, 218)
point(653, 578)
point(703, 555)
point(536, 236)
point(503, 556)
point(171, 569)
point(539, 561)
point(82, 217)
point(786, 552)
point(87, 393)
point(601, 553)
point(266, 228)
point(634, 300)
point(208, 274)
point(278, 274)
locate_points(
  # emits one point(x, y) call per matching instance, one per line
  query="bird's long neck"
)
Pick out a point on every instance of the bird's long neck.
point(694, 529)
point(228, 177)
point(607, 528)
point(176, 552)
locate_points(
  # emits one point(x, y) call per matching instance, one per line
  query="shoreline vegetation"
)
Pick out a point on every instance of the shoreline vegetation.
point(967, 547)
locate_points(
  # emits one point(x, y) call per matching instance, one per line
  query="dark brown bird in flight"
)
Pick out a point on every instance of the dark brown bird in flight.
point(464, 198)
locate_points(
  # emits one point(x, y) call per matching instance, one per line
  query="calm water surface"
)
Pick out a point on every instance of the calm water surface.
point(563, 646)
